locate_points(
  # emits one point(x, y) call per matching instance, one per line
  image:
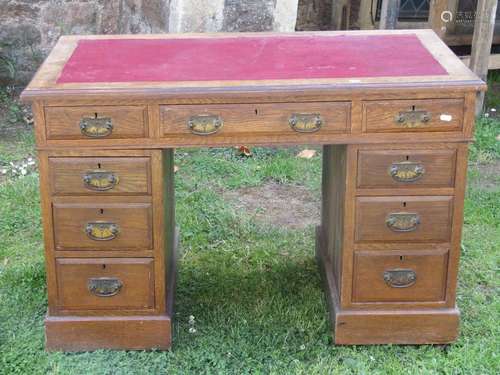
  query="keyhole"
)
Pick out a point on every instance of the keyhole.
point(103, 266)
point(407, 157)
point(95, 115)
point(401, 257)
point(256, 111)
point(99, 165)
point(412, 107)
point(404, 204)
point(101, 211)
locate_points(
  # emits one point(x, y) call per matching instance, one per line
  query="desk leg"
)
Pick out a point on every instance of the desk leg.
point(380, 313)
point(108, 324)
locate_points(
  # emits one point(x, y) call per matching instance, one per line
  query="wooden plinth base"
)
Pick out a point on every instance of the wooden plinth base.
point(77, 333)
point(352, 327)
point(82, 333)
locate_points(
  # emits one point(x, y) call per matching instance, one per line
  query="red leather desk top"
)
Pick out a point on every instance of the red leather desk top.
point(248, 58)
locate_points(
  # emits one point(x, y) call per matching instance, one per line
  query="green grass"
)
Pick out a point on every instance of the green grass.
point(254, 290)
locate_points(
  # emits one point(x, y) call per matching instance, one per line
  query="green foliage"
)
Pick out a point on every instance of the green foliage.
point(486, 147)
point(11, 111)
point(254, 290)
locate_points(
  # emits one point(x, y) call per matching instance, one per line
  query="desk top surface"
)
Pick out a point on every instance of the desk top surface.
point(225, 62)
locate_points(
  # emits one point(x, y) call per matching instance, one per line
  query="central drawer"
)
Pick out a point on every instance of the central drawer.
point(407, 218)
point(105, 283)
point(222, 120)
point(99, 224)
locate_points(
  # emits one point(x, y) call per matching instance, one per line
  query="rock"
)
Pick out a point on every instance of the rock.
point(196, 16)
point(249, 15)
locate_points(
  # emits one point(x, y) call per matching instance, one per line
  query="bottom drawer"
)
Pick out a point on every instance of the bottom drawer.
point(105, 283)
point(393, 276)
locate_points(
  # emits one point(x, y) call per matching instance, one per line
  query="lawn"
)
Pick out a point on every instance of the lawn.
point(249, 297)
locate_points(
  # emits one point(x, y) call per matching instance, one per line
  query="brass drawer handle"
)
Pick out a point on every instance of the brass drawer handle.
point(406, 171)
point(96, 127)
point(205, 124)
point(305, 122)
point(412, 118)
point(402, 221)
point(100, 180)
point(102, 231)
point(104, 286)
point(400, 278)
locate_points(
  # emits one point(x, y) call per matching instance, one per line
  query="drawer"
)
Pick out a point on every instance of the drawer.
point(100, 175)
point(416, 219)
point(101, 225)
point(413, 115)
point(399, 277)
point(102, 122)
point(406, 168)
point(220, 120)
point(105, 283)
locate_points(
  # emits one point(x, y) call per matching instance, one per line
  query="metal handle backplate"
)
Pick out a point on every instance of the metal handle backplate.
point(400, 278)
point(406, 171)
point(96, 127)
point(104, 286)
point(402, 221)
point(102, 231)
point(412, 118)
point(205, 124)
point(100, 180)
point(305, 122)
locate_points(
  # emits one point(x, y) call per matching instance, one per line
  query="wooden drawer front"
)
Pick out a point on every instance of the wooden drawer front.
point(104, 122)
point(255, 119)
point(101, 175)
point(397, 277)
point(406, 168)
point(421, 219)
point(105, 283)
point(413, 115)
point(103, 226)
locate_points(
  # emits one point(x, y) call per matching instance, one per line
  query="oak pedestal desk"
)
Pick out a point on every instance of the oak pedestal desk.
point(393, 109)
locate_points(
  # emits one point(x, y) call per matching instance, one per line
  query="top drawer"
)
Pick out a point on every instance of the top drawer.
point(222, 120)
point(104, 122)
point(413, 115)
point(406, 168)
point(100, 175)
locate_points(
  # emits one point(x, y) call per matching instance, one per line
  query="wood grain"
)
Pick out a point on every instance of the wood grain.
point(136, 275)
point(445, 115)
point(72, 215)
point(369, 268)
point(67, 174)
point(374, 167)
point(368, 326)
point(78, 333)
point(435, 214)
point(253, 119)
point(128, 121)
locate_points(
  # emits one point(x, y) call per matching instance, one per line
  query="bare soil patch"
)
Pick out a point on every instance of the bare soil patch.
point(489, 176)
point(289, 206)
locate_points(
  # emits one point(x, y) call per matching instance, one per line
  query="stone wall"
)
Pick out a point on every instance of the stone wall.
point(30, 28)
